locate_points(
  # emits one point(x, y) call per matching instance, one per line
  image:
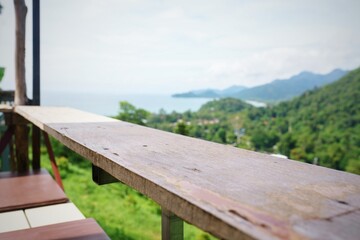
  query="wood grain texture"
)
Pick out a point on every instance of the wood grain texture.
point(86, 229)
point(50, 115)
point(22, 191)
point(229, 192)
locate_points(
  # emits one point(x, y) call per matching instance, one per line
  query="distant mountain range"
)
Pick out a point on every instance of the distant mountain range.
point(277, 90)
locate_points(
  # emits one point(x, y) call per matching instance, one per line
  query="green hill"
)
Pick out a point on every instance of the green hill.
point(320, 126)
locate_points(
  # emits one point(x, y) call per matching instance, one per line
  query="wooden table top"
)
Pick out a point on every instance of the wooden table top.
point(229, 192)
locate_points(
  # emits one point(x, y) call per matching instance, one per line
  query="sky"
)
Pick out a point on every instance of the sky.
point(165, 47)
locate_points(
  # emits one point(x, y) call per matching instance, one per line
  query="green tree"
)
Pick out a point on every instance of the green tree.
point(286, 143)
point(264, 140)
point(2, 71)
point(353, 166)
point(181, 128)
point(220, 135)
point(130, 113)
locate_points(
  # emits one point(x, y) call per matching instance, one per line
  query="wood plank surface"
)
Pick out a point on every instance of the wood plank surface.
point(229, 192)
point(20, 191)
point(86, 229)
point(51, 115)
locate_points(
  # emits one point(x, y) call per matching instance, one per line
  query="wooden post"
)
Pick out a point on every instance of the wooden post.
point(172, 227)
point(102, 177)
point(36, 82)
point(21, 131)
point(35, 147)
point(20, 84)
point(36, 52)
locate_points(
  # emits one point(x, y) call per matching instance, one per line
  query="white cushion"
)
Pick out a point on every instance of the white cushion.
point(53, 214)
point(11, 221)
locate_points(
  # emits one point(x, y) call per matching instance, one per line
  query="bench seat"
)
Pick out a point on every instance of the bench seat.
point(86, 229)
point(33, 189)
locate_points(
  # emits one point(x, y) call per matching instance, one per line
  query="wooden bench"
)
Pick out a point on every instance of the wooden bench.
point(86, 229)
point(39, 216)
point(42, 210)
point(34, 189)
point(33, 206)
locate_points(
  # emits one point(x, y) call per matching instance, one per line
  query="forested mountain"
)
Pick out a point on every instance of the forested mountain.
point(275, 91)
point(320, 126)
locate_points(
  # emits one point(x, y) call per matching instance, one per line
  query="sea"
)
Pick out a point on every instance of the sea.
point(108, 104)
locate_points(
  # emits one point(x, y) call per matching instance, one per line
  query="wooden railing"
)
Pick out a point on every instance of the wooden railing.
point(230, 192)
